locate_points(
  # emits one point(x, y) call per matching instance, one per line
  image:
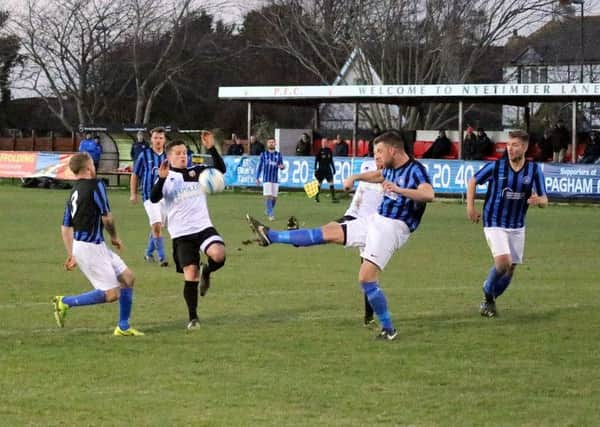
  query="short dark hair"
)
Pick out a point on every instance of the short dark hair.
point(174, 143)
point(391, 137)
point(78, 161)
point(158, 129)
point(519, 134)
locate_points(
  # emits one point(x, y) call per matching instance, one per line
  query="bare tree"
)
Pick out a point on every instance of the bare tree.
point(163, 45)
point(64, 42)
point(406, 41)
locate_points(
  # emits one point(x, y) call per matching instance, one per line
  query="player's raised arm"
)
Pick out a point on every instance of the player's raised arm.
point(208, 142)
point(472, 213)
point(369, 176)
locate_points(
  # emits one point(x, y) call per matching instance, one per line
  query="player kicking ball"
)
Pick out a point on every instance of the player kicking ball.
point(406, 188)
point(87, 213)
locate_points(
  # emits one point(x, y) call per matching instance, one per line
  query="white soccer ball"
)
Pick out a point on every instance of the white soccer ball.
point(211, 181)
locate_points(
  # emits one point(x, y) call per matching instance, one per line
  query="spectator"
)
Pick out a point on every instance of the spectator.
point(92, 147)
point(256, 147)
point(441, 147)
point(560, 141)
point(138, 146)
point(375, 131)
point(303, 147)
point(341, 148)
point(483, 145)
point(546, 146)
point(235, 149)
point(469, 143)
point(592, 150)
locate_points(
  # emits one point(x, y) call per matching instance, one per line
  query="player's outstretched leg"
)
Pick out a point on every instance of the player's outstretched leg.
point(301, 237)
point(62, 304)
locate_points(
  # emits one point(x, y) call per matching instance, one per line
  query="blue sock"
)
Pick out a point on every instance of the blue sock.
point(302, 237)
point(269, 207)
point(378, 301)
point(159, 243)
point(502, 284)
point(150, 246)
point(490, 283)
point(125, 301)
point(88, 298)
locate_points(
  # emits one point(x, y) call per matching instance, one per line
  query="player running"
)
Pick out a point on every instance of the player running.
point(514, 183)
point(87, 213)
point(268, 170)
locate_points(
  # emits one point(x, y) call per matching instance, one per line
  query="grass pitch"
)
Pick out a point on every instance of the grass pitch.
point(282, 341)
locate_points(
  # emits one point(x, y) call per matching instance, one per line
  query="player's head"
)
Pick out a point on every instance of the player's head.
point(82, 165)
point(387, 147)
point(158, 137)
point(140, 136)
point(271, 144)
point(518, 141)
point(177, 154)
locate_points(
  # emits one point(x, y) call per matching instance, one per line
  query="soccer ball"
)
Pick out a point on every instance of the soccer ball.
point(211, 181)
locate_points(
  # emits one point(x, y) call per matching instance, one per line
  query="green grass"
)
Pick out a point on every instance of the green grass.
point(282, 341)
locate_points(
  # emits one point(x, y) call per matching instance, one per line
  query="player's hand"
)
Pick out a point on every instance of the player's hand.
point(70, 263)
point(163, 169)
point(348, 183)
point(117, 243)
point(208, 140)
point(534, 200)
point(133, 198)
point(473, 215)
point(281, 166)
point(390, 187)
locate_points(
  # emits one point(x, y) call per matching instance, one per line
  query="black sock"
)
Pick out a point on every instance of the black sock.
point(489, 298)
point(213, 266)
point(332, 192)
point(190, 294)
point(368, 309)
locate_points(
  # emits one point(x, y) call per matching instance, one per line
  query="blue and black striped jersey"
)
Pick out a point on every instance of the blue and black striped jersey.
point(394, 205)
point(87, 204)
point(268, 166)
point(508, 190)
point(146, 168)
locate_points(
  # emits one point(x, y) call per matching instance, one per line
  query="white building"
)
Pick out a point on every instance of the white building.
point(553, 54)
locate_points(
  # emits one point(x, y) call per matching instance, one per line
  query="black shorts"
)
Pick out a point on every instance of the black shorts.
point(186, 249)
point(345, 218)
point(327, 176)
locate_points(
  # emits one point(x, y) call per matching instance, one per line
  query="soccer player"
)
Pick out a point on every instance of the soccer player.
point(366, 201)
point(87, 213)
point(145, 169)
point(188, 220)
point(514, 183)
point(406, 189)
point(324, 170)
point(268, 170)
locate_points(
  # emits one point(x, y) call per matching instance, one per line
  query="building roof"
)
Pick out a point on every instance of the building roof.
point(558, 42)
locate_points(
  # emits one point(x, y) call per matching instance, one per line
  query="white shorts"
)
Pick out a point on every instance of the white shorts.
point(504, 241)
point(377, 237)
point(270, 189)
point(99, 264)
point(155, 211)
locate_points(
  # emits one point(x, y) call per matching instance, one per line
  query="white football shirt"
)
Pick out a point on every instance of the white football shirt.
point(368, 195)
point(185, 203)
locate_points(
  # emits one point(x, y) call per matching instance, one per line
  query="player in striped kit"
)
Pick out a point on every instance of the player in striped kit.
point(188, 220)
point(269, 164)
point(145, 169)
point(514, 183)
point(407, 189)
point(87, 213)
